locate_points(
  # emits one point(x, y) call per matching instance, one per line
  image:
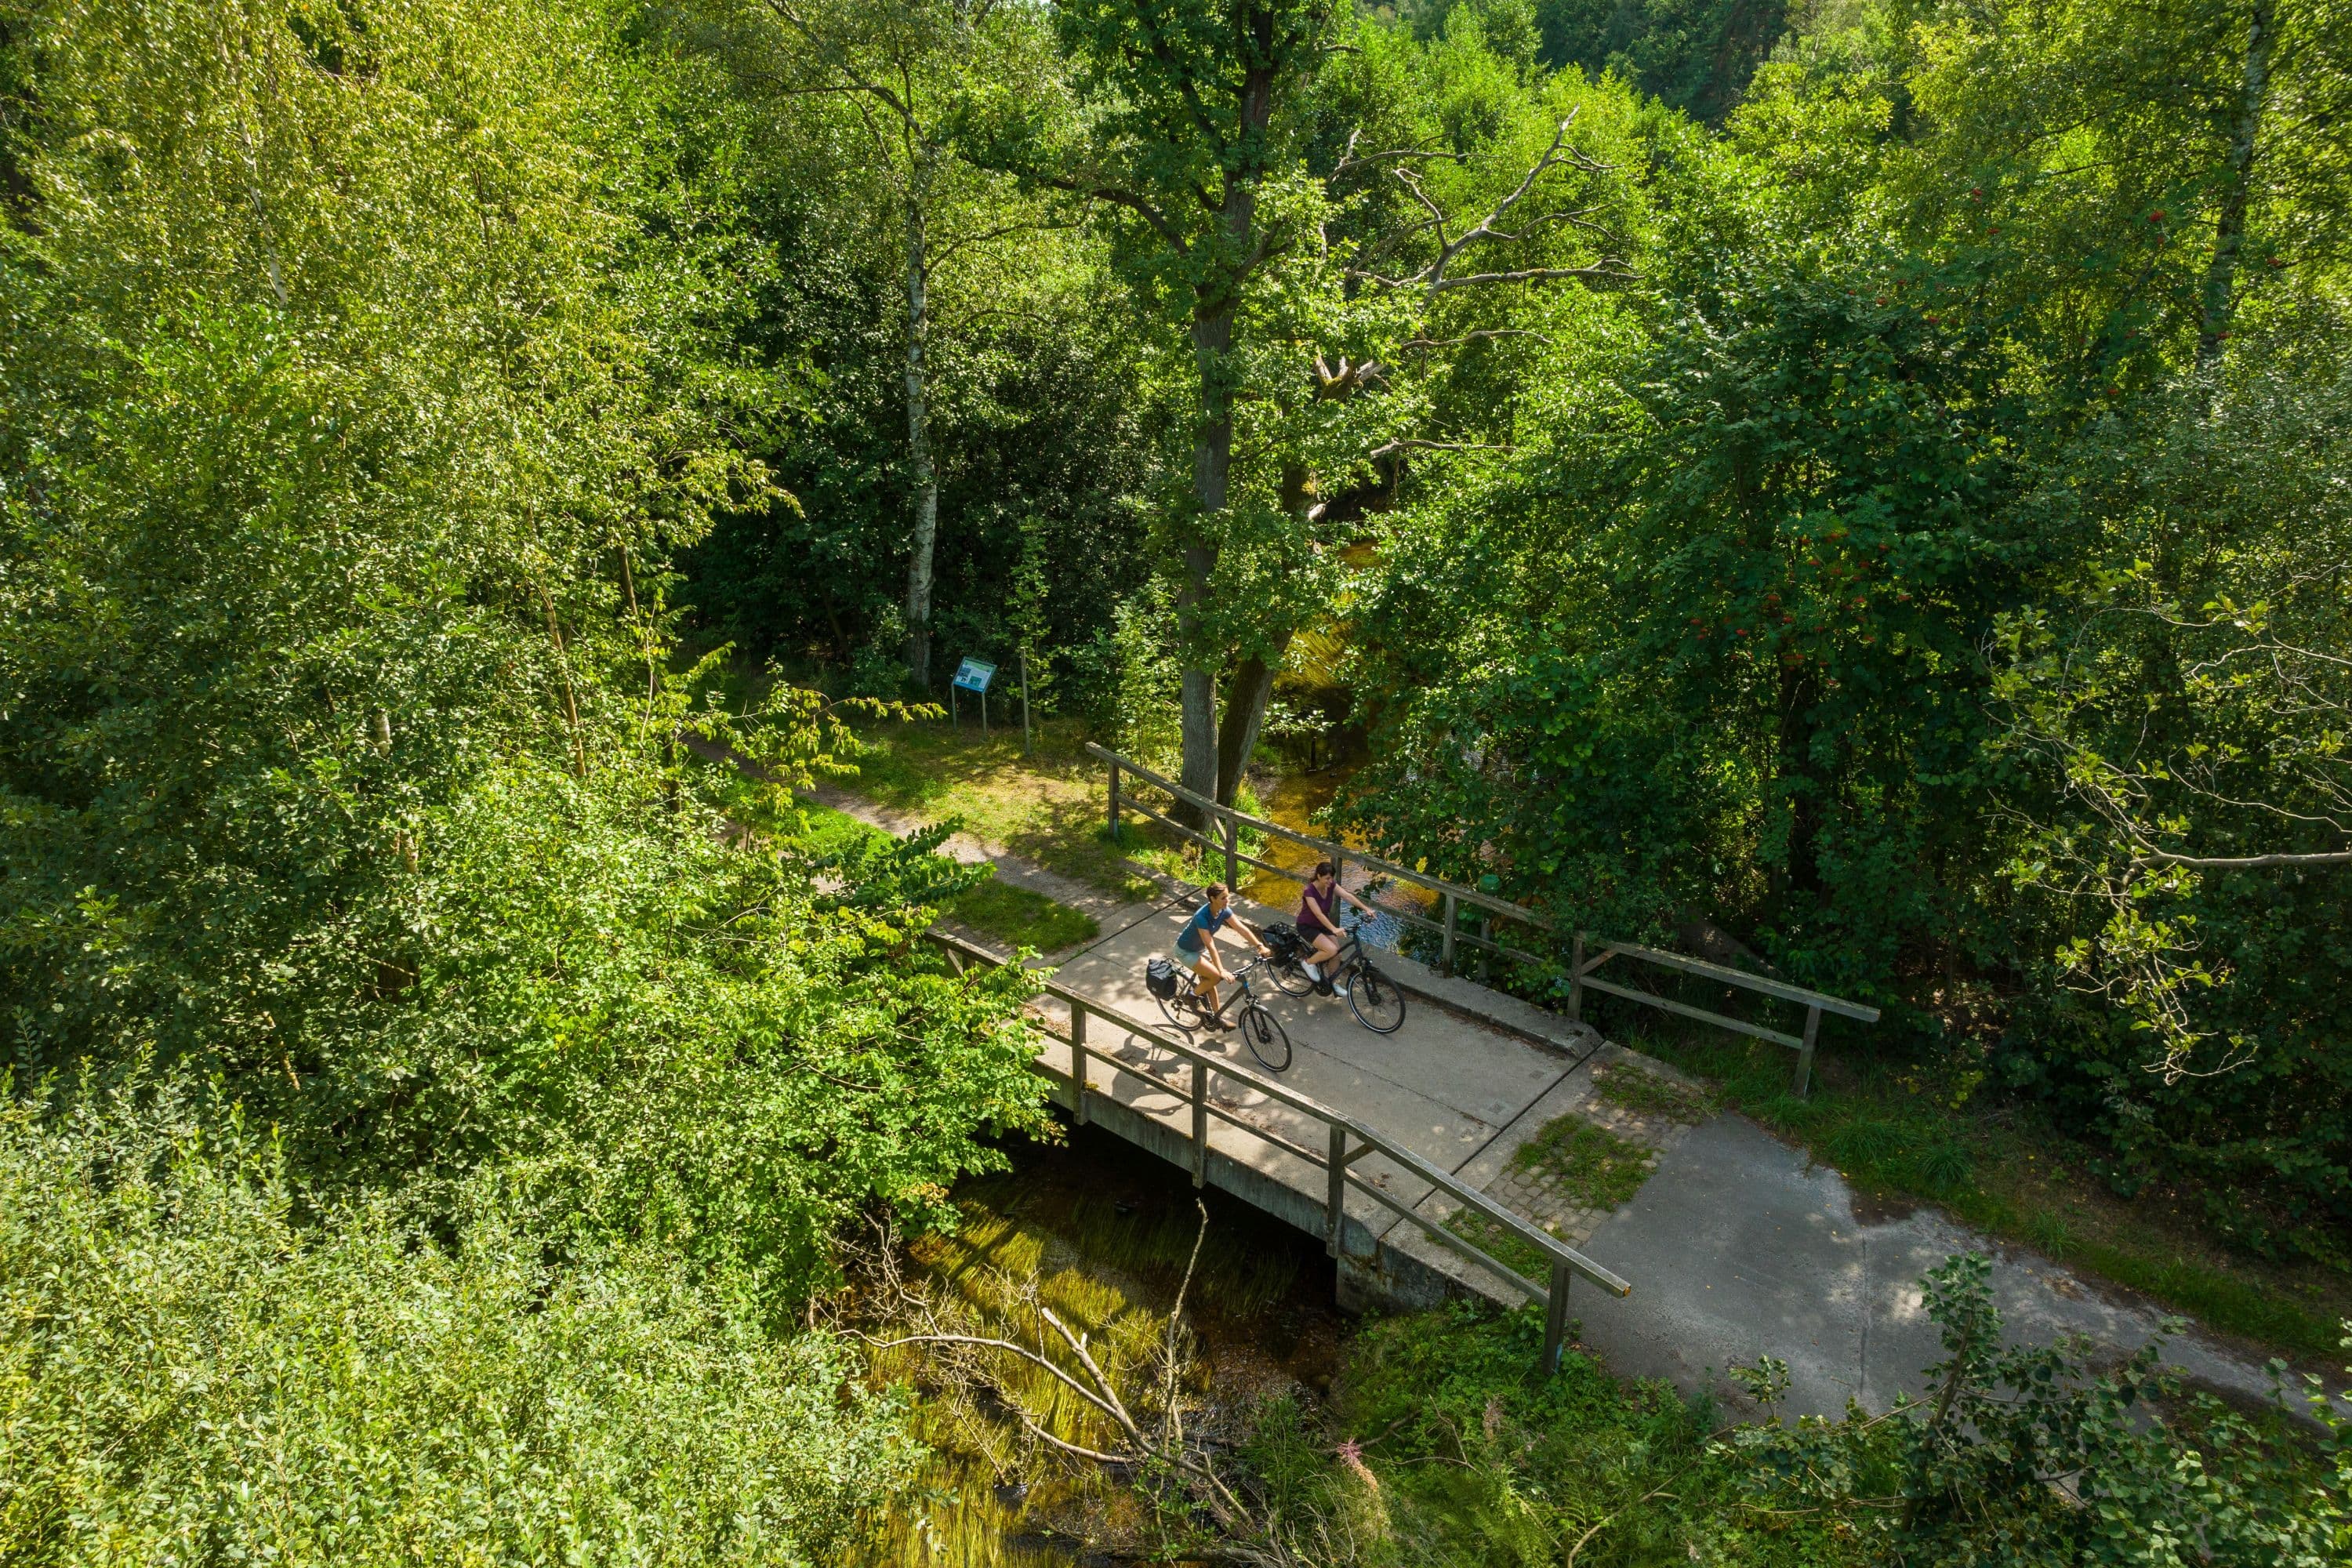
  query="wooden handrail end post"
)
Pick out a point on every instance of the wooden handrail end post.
point(1805, 1053)
point(1555, 1320)
point(1200, 1124)
point(1078, 1063)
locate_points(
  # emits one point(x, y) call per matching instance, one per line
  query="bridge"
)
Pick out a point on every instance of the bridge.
point(1404, 1152)
point(1736, 1244)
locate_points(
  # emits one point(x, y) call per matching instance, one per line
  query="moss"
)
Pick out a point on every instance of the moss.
point(1646, 1093)
point(1593, 1167)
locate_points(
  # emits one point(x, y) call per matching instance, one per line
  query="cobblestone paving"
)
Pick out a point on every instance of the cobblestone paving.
point(1549, 1198)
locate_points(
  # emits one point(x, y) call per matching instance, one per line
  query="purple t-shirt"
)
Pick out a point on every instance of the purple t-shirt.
point(1328, 902)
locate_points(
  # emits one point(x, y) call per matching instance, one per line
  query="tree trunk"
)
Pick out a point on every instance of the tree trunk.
point(1213, 456)
point(2218, 298)
point(1245, 699)
point(919, 433)
point(1253, 684)
point(1800, 778)
point(1214, 305)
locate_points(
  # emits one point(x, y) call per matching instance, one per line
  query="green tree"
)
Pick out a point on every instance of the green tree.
point(380, 369)
point(903, 65)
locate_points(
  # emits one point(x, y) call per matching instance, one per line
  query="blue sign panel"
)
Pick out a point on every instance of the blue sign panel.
point(973, 674)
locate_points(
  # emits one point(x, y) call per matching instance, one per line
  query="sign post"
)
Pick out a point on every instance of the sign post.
point(973, 675)
point(1025, 701)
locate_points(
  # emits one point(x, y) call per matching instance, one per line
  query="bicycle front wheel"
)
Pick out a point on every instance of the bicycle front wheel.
point(1266, 1040)
point(1374, 997)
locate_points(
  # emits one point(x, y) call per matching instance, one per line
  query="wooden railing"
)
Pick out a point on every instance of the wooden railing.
point(1453, 898)
point(1345, 1142)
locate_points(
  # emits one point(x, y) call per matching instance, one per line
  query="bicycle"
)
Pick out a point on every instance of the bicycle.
point(1179, 1001)
point(1372, 996)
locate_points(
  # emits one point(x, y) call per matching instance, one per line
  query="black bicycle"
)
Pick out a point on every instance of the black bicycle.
point(1179, 1001)
point(1372, 996)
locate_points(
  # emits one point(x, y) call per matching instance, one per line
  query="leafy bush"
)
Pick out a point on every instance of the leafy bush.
point(2024, 1456)
point(187, 1374)
point(1443, 1445)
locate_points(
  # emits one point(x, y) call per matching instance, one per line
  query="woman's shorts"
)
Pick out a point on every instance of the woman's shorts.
point(1189, 963)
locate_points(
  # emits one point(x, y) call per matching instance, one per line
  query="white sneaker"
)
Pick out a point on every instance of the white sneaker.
point(1338, 989)
point(1313, 971)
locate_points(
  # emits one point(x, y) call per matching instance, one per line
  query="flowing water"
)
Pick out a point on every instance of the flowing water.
point(1293, 799)
point(1100, 1232)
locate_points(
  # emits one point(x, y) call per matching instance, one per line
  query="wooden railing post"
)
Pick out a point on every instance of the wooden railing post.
point(1114, 802)
point(1445, 943)
point(1805, 1052)
point(1200, 1124)
point(1335, 1214)
point(1555, 1320)
point(1576, 980)
point(1078, 1063)
point(1487, 953)
point(1233, 855)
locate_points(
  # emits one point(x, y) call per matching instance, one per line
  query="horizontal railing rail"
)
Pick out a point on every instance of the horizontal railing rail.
point(1346, 1141)
point(1453, 898)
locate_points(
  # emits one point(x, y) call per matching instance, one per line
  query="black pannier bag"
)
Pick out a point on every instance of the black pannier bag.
point(1160, 977)
point(1283, 939)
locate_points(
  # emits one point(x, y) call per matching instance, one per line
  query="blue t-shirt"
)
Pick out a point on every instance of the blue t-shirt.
point(1198, 929)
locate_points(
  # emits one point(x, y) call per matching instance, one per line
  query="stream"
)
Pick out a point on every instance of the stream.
point(1100, 1231)
point(1292, 799)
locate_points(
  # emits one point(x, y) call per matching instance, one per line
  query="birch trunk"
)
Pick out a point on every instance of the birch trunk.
point(919, 432)
point(2218, 298)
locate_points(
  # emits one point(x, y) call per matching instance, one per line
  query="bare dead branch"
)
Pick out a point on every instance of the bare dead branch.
point(2242, 862)
point(1481, 335)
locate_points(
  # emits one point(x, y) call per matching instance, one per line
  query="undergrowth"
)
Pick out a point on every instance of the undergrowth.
point(1444, 1446)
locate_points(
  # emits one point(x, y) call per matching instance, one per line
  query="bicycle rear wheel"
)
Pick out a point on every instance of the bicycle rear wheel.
point(1183, 1014)
point(1376, 1002)
point(1290, 975)
point(1267, 1042)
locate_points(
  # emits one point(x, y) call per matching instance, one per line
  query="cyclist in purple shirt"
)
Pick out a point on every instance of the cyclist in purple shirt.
point(1318, 928)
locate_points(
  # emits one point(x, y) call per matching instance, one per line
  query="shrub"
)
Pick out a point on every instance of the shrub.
point(187, 1374)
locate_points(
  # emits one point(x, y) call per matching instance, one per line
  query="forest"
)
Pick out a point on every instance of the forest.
point(1867, 482)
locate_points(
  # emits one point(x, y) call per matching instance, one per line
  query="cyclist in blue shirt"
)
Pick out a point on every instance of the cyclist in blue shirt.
point(1196, 946)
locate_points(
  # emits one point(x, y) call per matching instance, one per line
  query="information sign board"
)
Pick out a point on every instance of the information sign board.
point(973, 674)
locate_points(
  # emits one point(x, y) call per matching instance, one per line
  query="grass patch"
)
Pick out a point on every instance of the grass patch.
point(1593, 1167)
point(2010, 1174)
point(1049, 807)
point(1014, 916)
point(1020, 918)
point(1506, 1246)
point(1646, 1093)
point(1017, 917)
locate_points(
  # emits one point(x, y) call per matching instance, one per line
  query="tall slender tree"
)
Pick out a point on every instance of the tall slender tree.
point(900, 65)
point(1196, 139)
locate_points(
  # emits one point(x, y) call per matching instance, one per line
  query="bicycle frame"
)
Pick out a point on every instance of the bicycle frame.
point(1239, 979)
